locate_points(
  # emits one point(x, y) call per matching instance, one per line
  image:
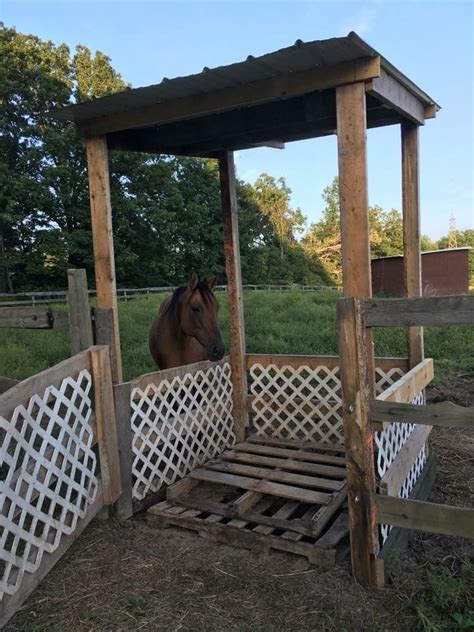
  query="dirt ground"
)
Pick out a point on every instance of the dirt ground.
point(130, 577)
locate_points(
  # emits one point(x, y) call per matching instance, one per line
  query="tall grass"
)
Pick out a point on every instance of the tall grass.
point(275, 322)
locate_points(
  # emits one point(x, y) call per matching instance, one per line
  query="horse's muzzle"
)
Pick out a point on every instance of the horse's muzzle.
point(216, 353)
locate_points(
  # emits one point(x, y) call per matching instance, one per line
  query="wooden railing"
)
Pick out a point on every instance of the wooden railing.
point(363, 415)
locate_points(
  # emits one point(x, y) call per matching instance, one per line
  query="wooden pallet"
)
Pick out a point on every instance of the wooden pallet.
point(265, 494)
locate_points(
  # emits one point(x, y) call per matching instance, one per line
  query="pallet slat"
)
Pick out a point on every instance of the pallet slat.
point(299, 455)
point(265, 487)
point(285, 464)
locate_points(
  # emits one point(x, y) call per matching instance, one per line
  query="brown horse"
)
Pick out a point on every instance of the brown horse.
point(186, 329)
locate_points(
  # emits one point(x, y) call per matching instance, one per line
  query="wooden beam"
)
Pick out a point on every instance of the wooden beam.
point(442, 414)
point(425, 516)
point(279, 87)
point(32, 318)
point(358, 439)
point(80, 324)
point(391, 482)
point(393, 94)
point(410, 384)
point(234, 293)
point(353, 193)
point(314, 361)
point(106, 424)
point(102, 239)
point(436, 310)
point(123, 415)
point(36, 384)
point(411, 232)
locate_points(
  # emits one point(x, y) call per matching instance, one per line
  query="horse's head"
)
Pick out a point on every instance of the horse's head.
point(198, 316)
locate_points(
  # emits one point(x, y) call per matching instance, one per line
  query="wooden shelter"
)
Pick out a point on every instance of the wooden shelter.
point(338, 86)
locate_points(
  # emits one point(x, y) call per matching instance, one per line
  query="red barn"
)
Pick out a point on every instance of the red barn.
point(443, 272)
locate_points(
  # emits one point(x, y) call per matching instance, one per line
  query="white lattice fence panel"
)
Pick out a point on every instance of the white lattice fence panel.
point(179, 424)
point(389, 442)
point(384, 378)
point(47, 475)
point(297, 403)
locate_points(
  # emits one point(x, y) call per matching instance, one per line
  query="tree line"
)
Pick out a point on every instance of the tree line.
point(166, 209)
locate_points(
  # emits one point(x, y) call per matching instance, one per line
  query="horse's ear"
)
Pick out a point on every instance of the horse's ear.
point(211, 283)
point(193, 281)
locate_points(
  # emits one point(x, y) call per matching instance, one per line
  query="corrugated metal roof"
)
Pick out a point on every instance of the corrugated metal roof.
point(299, 57)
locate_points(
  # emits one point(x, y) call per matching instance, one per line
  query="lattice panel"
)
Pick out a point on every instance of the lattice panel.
point(297, 403)
point(178, 425)
point(389, 441)
point(303, 403)
point(47, 476)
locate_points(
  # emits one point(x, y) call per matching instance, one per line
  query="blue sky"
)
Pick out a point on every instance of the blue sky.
point(431, 42)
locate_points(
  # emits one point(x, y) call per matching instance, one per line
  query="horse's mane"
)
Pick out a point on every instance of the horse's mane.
point(173, 306)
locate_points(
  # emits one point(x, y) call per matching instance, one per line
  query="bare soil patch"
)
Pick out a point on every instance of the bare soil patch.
point(128, 576)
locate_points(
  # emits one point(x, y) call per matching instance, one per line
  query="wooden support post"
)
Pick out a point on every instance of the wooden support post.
point(80, 326)
point(411, 232)
point(123, 412)
point(234, 293)
point(101, 218)
point(358, 440)
point(355, 232)
point(104, 330)
point(106, 428)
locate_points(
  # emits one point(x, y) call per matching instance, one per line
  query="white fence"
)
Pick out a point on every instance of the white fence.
point(125, 294)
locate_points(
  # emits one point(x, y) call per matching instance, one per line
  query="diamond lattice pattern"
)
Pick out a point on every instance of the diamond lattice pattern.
point(47, 475)
point(389, 441)
point(178, 425)
point(302, 403)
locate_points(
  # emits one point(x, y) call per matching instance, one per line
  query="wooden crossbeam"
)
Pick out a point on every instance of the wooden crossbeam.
point(405, 389)
point(266, 90)
point(442, 414)
point(298, 455)
point(425, 516)
point(284, 463)
point(33, 318)
point(387, 90)
point(408, 312)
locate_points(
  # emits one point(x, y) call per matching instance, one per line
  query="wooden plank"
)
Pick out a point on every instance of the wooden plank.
point(390, 92)
point(184, 486)
point(7, 383)
point(285, 463)
point(106, 424)
point(123, 415)
point(269, 474)
point(295, 361)
point(312, 361)
point(233, 536)
point(335, 533)
point(21, 393)
point(234, 293)
point(299, 445)
point(410, 384)
point(102, 239)
point(324, 514)
point(9, 604)
point(358, 438)
point(80, 325)
point(436, 310)
point(442, 414)
point(353, 194)
point(292, 84)
point(263, 487)
point(103, 328)
point(30, 317)
point(426, 516)
point(411, 231)
point(244, 503)
point(397, 540)
point(391, 482)
point(298, 455)
point(156, 377)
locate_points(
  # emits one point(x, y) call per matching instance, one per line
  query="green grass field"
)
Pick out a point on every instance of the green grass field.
point(276, 322)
